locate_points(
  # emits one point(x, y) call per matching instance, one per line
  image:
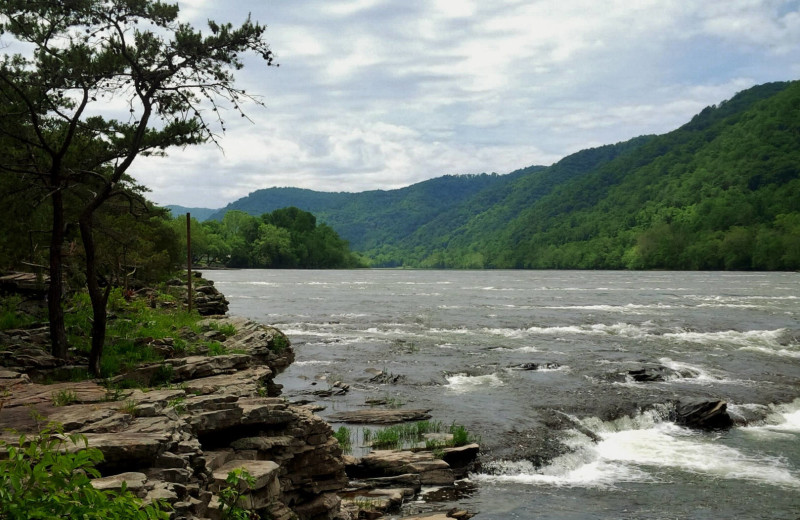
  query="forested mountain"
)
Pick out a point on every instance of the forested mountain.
point(721, 192)
point(372, 218)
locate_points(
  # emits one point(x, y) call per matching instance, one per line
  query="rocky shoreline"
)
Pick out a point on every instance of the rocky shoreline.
point(178, 442)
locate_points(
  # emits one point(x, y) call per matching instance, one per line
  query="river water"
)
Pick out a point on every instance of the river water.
point(454, 342)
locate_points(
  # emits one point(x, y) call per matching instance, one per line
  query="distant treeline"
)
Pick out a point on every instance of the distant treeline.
point(285, 238)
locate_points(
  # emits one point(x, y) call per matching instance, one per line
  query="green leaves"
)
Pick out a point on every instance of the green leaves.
point(48, 477)
point(233, 497)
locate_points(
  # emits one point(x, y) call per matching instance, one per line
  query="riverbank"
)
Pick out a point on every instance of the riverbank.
point(178, 440)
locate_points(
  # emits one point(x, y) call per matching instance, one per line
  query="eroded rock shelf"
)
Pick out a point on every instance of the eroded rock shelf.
point(178, 443)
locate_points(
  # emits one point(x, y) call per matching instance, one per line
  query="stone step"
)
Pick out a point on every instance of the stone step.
point(265, 473)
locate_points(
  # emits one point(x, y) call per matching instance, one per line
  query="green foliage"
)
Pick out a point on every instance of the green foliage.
point(279, 343)
point(461, 436)
point(178, 404)
point(10, 316)
point(344, 436)
point(133, 319)
point(229, 329)
point(129, 407)
point(48, 476)
point(285, 238)
point(162, 376)
point(234, 496)
point(64, 397)
point(402, 436)
point(215, 348)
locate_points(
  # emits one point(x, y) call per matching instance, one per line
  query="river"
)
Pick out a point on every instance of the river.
point(456, 342)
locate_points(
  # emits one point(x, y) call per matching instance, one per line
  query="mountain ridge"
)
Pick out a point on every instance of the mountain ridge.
point(683, 200)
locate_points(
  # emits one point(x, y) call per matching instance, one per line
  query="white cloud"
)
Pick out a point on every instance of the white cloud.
point(377, 94)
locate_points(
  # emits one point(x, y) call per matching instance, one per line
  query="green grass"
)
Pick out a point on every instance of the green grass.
point(226, 328)
point(404, 436)
point(344, 436)
point(215, 348)
point(10, 317)
point(279, 343)
point(64, 397)
point(401, 435)
point(128, 321)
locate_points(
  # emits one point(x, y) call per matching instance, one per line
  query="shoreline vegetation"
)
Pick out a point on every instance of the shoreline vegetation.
point(205, 382)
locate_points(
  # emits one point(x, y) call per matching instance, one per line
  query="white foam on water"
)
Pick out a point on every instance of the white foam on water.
point(630, 308)
point(461, 383)
point(782, 419)
point(312, 362)
point(748, 338)
point(785, 352)
point(696, 373)
point(505, 332)
point(525, 349)
point(617, 329)
point(571, 470)
point(668, 445)
point(634, 449)
point(451, 331)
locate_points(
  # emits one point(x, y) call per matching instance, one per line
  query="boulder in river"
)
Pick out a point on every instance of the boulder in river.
point(705, 414)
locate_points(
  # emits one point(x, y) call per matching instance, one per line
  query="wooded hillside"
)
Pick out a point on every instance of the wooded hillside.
point(720, 192)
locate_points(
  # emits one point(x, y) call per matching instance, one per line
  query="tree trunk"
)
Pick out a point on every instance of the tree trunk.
point(98, 296)
point(55, 310)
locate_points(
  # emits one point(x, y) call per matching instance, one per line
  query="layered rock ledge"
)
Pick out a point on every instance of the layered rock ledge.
point(178, 443)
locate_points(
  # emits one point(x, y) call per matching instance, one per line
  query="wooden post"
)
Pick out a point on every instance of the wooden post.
point(189, 258)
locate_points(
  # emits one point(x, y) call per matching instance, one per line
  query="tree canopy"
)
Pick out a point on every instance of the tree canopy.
point(287, 238)
point(69, 63)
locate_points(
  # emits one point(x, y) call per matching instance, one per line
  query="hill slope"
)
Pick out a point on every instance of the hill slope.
point(721, 192)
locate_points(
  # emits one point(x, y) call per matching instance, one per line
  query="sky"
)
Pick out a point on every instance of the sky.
point(381, 94)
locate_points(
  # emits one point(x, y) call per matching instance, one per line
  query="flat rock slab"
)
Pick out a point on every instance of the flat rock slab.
point(82, 416)
point(33, 394)
point(380, 416)
point(129, 446)
point(244, 382)
point(388, 463)
point(134, 482)
point(265, 472)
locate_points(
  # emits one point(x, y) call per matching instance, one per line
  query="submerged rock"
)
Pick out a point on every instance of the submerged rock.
point(380, 416)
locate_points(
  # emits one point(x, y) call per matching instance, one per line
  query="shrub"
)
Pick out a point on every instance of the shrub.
point(45, 477)
point(239, 484)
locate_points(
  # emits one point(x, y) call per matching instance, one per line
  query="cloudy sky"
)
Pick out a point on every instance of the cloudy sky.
point(380, 94)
